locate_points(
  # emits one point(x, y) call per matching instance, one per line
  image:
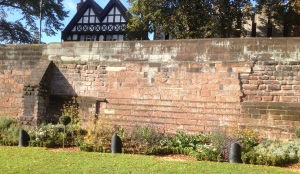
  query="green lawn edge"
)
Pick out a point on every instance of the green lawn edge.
point(39, 160)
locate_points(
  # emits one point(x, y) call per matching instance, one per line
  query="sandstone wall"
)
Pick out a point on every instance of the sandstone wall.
point(16, 64)
point(189, 85)
point(271, 97)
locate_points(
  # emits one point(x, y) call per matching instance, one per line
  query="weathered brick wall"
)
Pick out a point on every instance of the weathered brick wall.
point(16, 63)
point(271, 97)
point(189, 85)
point(272, 81)
point(184, 96)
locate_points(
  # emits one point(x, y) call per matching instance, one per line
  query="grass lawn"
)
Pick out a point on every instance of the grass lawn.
point(38, 160)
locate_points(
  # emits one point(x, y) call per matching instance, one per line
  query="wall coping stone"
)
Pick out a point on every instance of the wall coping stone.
point(197, 50)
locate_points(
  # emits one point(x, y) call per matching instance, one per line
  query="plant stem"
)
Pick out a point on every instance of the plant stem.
point(64, 137)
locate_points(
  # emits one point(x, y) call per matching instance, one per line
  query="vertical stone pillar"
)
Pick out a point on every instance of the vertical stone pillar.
point(36, 94)
point(30, 99)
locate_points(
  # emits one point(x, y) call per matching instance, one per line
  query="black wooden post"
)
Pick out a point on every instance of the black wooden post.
point(23, 138)
point(235, 154)
point(116, 144)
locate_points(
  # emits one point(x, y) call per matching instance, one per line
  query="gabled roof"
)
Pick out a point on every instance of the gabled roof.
point(87, 4)
point(111, 4)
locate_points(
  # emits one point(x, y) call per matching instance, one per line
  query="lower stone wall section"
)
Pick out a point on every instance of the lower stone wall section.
point(182, 96)
point(171, 115)
point(273, 119)
point(186, 96)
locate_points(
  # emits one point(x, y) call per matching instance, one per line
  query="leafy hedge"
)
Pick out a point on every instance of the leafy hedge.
point(271, 152)
point(146, 139)
point(9, 131)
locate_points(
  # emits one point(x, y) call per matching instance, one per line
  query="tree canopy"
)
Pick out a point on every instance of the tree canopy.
point(23, 30)
point(280, 12)
point(189, 19)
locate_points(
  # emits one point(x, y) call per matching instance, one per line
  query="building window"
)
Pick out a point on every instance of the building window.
point(112, 37)
point(89, 17)
point(88, 38)
point(114, 16)
point(75, 36)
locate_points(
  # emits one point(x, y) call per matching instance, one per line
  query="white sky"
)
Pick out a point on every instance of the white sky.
point(71, 6)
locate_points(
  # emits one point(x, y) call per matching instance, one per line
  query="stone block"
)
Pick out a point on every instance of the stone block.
point(274, 87)
point(281, 73)
point(262, 87)
point(288, 99)
point(290, 118)
point(254, 98)
point(249, 87)
point(267, 98)
point(295, 87)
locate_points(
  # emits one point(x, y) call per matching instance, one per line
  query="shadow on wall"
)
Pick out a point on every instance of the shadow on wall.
point(60, 84)
point(61, 93)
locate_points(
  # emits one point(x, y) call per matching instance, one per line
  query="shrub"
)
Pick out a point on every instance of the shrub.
point(159, 151)
point(297, 132)
point(275, 153)
point(249, 157)
point(221, 139)
point(180, 143)
point(5, 122)
point(65, 120)
point(86, 147)
point(97, 135)
point(9, 131)
point(47, 135)
point(247, 138)
point(183, 140)
point(141, 139)
point(144, 137)
point(70, 108)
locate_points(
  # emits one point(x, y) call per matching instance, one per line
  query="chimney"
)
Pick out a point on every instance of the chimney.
point(79, 4)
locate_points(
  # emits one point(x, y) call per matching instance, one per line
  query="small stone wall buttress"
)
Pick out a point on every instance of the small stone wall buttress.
point(36, 93)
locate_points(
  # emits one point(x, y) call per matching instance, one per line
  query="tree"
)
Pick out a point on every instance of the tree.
point(189, 19)
point(65, 120)
point(281, 13)
point(140, 19)
point(178, 18)
point(23, 29)
point(228, 17)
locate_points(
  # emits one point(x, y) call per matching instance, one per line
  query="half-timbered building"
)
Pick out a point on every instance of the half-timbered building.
point(93, 23)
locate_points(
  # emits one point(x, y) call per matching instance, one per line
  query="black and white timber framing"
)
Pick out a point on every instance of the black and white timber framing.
point(92, 23)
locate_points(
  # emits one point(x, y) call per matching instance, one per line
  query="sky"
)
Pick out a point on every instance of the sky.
point(71, 6)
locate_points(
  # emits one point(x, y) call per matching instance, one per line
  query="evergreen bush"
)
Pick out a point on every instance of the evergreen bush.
point(271, 152)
